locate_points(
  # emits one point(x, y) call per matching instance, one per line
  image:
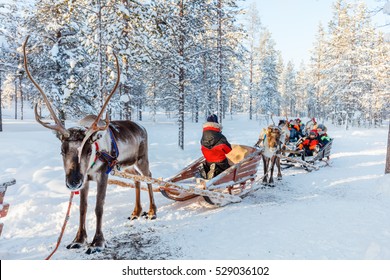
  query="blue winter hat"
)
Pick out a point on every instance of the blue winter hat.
point(212, 118)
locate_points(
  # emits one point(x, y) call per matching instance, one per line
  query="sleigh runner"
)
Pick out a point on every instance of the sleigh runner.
point(228, 187)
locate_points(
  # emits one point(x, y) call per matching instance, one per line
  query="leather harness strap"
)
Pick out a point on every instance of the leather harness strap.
point(110, 159)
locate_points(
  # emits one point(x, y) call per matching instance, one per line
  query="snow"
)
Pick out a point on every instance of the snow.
point(386, 8)
point(339, 212)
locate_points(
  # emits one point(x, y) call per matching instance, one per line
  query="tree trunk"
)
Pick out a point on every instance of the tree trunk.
point(21, 97)
point(251, 84)
point(387, 168)
point(181, 81)
point(16, 100)
point(219, 47)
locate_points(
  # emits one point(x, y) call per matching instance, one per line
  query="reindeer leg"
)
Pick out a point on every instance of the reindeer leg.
point(152, 214)
point(143, 168)
point(98, 242)
point(81, 236)
point(265, 165)
point(271, 176)
point(279, 177)
point(137, 207)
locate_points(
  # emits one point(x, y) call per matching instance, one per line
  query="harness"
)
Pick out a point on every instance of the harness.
point(110, 159)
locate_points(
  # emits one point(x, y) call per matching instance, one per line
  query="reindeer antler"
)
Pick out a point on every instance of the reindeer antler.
point(58, 126)
point(94, 126)
point(272, 118)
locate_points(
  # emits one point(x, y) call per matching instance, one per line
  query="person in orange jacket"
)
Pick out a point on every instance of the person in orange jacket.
point(310, 144)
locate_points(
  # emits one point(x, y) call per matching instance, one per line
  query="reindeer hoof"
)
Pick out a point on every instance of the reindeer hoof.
point(93, 250)
point(152, 216)
point(75, 245)
point(149, 216)
point(133, 217)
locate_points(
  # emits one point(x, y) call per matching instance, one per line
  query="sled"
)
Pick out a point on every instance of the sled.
point(309, 163)
point(228, 187)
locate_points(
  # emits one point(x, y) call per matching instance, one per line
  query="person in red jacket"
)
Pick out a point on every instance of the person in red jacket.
point(214, 148)
point(310, 144)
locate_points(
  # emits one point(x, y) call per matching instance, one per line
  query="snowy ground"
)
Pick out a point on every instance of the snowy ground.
point(340, 212)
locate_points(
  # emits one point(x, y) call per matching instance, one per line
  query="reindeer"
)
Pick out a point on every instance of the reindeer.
point(285, 133)
point(270, 140)
point(89, 151)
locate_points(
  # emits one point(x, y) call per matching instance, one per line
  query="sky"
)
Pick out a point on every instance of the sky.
point(294, 24)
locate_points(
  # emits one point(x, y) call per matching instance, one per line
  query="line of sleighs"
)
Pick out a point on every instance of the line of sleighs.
point(308, 141)
point(239, 179)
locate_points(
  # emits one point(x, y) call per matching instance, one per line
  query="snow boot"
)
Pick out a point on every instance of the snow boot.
point(210, 174)
point(202, 172)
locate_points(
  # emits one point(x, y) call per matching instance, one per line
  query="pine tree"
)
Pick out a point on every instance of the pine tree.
point(11, 60)
point(254, 25)
point(288, 90)
point(268, 85)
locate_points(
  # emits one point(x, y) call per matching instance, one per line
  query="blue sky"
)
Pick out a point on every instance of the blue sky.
point(294, 23)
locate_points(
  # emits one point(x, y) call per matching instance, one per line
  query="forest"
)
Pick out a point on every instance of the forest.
point(189, 59)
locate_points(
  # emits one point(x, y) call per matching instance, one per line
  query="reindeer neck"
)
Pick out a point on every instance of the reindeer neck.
point(106, 151)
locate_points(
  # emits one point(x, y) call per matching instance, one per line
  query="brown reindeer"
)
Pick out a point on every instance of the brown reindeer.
point(270, 140)
point(90, 151)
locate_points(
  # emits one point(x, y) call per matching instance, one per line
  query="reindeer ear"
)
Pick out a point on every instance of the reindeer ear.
point(59, 136)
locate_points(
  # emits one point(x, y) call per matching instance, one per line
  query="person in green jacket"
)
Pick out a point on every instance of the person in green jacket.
point(323, 137)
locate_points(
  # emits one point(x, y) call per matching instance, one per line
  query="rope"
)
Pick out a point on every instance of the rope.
point(129, 185)
point(63, 226)
point(167, 185)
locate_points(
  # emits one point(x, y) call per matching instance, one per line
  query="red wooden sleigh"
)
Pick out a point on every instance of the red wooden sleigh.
point(229, 186)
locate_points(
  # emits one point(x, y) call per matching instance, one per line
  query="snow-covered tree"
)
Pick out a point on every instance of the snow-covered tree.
point(253, 29)
point(288, 90)
point(347, 67)
point(268, 86)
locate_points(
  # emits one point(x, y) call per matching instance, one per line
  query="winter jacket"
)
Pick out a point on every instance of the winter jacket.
point(323, 139)
point(309, 144)
point(215, 146)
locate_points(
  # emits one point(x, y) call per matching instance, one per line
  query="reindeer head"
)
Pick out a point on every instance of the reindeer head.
point(273, 136)
point(75, 167)
point(76, 148)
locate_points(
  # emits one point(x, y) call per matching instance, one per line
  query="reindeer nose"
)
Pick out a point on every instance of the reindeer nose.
point(74, 183)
